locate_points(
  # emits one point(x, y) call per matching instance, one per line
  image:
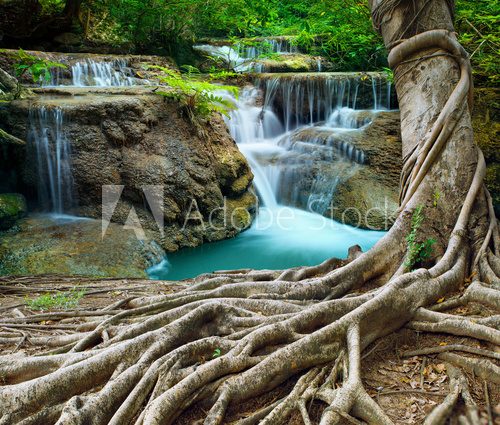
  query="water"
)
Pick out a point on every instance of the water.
point(304, 239)
point(92, 73)
point(244, 57)
point(51, 150)
point(297, 161)
point(311, 98)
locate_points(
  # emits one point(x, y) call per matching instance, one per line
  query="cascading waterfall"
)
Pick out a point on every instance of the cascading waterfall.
point(297, 168)
point(242, 57)
point(52, 151)
point(310, 98)
point(300, 159)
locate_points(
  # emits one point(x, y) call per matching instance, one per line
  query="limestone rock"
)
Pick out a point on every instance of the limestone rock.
point(137, 139)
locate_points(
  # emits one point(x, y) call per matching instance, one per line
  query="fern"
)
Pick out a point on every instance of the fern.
point(417, 251)
point(38, 68)
point(197, 96)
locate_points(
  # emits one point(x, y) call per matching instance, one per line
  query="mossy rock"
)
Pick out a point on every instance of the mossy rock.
point(48, 245)
point(12, 208)
point(241, 211)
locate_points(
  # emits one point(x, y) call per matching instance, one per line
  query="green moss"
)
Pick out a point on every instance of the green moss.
point(241, 210)
point(12, 208)
point(288, 63)
point(242, 183)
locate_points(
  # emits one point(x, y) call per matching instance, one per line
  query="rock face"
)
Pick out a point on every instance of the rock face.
point(351, 176)
point(47, 245)
point(12, 208)
point(133, 138)
point(369, 198)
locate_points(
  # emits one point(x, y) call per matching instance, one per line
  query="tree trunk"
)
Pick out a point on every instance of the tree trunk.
point(139, 360)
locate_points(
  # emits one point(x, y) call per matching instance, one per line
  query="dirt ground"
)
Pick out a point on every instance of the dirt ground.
point(407, 387)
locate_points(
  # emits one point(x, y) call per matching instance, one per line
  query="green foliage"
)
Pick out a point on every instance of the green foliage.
point(57, 301)
point(435, 198)
point(38, 68)
point(389, 74)
point(478, 25)
point(341, 31)
point(217, 353)
point(198, 97)
point(417, 251)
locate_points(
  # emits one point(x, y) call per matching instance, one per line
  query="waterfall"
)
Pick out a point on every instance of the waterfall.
point(94, 73)
point(52, 152)
point(282, 46)
point(308, 98)
point(228, 54)
point(243, 57)
point(296, 159)
point(101, 74)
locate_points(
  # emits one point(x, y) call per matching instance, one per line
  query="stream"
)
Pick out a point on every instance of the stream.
point(294, 131)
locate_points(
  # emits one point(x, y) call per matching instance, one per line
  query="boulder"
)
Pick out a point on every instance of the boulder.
point(350, 176)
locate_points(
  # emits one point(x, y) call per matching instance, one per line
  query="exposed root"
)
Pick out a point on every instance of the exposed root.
point(458, 388)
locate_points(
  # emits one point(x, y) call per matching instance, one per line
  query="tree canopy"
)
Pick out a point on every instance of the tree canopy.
point(340, 31)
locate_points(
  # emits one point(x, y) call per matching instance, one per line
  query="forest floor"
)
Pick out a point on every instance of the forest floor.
point(406, 386)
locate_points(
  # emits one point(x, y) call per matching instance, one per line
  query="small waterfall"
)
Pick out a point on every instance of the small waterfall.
point(102, 74)
point(283, 46)
point(229, 55)
point(94, 73)
point(52, 152)
point(243, 57)
point(251, 126)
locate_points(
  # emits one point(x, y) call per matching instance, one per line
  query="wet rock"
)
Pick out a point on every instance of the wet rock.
point(293, 63)
point(12, 208)
point(70, 246)
point(351, 176)
point(369, 198)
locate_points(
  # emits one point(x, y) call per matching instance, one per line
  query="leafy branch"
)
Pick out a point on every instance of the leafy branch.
point(38, 68)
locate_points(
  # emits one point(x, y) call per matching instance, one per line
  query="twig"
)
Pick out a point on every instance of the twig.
point(488, 405)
